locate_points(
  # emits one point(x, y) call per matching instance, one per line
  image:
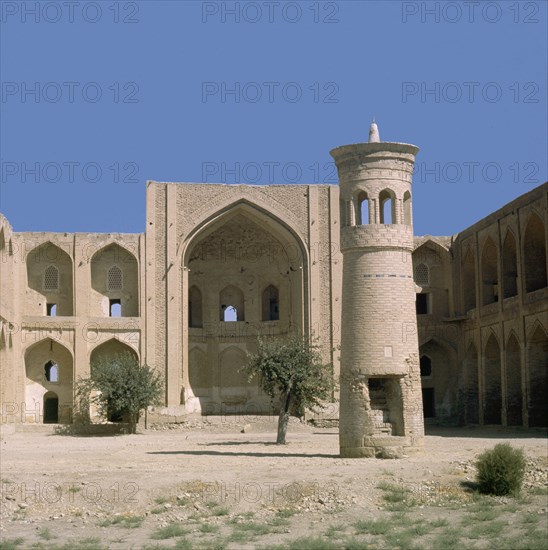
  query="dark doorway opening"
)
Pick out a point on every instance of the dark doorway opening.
point(428, 403)
point(51, 409)
point(422, 304)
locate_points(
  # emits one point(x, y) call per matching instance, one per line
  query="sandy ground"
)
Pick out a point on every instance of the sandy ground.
point(209, 471)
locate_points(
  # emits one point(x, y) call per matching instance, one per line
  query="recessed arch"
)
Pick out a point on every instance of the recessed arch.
point(41, 358)
point(233, 255)
point(537, 367)
point(469, 281)
point(439, 373)
point(110, 349)
point(471, 385)
point(263, 214)
point(492, 396)
point(114, 282)
point(489, 272)
point(514, 391)
point(534, 254)
point(199, 373)
point(509, 265)
point(233, 381)
point(50, 280)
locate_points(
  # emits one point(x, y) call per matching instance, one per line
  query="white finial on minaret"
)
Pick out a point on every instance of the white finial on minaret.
point(374, 136)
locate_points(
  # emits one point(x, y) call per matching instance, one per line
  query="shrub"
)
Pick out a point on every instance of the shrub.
point(500, 470)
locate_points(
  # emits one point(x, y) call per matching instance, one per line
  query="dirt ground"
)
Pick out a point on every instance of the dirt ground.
point(210, 483)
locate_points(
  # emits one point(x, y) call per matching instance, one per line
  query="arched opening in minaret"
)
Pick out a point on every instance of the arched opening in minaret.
point(407, 208)
point(387, 207)
point(363, 209)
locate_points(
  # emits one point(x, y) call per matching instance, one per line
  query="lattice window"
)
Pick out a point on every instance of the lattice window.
point(114, 278)
point(51, 278)
point(422, 275)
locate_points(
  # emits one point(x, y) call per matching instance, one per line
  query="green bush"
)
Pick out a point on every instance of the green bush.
point(500, 470)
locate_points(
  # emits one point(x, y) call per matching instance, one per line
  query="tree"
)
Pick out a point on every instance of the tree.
point(292, 371)
point(119, 386)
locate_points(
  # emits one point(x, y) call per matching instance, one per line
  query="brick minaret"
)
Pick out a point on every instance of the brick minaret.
point(380, 399)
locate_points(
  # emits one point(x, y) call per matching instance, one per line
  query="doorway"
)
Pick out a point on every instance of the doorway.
point(428, 402)
point(51, 408)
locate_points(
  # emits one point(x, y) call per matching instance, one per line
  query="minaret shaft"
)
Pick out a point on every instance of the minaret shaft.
point(380, 401)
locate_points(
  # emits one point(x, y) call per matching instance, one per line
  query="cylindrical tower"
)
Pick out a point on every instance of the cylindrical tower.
point(380, 397)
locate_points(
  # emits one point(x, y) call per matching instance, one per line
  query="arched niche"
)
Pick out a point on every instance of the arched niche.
point(537, 380)
point(492, 387)
point(489, 272)
point(233, 257)
point(114, 283)
point(50, 281)
point(439, 373)
point(514, 391)
point(534, 254)
point(509, 266)
point(40, 359)
point(470, 385)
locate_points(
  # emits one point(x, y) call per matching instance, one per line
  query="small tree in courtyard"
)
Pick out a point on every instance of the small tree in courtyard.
point(292, 371)
point(119, 386)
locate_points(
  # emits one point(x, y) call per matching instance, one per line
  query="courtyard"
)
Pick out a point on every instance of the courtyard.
point(220, 482)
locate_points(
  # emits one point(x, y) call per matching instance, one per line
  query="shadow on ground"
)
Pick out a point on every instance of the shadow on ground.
point(254, 454)
point(486, 432)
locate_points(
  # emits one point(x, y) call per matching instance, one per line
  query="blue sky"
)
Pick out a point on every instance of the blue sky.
point(98, 97)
